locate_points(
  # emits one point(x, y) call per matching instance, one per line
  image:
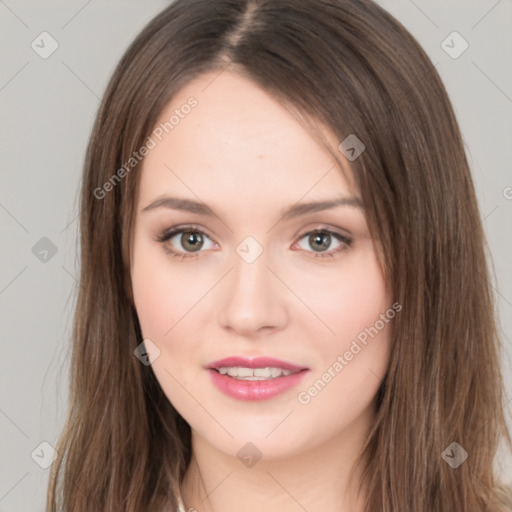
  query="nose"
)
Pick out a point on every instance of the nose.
point(253, 299)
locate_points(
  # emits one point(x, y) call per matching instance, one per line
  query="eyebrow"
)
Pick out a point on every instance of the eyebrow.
point(296, 210)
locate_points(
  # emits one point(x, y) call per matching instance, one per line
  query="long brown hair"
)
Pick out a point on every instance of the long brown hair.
point(349, 66)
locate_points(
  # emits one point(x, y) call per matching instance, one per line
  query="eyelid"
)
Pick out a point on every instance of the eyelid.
point(323, 227)
point(170, 232)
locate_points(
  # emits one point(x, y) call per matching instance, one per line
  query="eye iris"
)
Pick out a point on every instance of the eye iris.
point(191, 241)
point(323, 239)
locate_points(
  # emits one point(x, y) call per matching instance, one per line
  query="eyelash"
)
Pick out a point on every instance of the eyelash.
point(170, 233)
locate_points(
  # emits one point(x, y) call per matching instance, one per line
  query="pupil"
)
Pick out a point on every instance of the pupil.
point(322, 239)
point(192, 240)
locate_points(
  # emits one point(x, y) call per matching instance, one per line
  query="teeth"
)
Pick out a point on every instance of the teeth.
point(275, 372)
point(242, 373)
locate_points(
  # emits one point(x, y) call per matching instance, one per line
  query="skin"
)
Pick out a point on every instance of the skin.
point(244, 155)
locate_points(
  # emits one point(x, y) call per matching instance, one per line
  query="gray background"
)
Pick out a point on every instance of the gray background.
point(47, 110)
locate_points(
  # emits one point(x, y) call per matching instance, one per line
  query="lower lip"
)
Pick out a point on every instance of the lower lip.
point(255, 389)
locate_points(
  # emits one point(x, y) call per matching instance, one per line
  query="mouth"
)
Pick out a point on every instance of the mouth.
point(244, 373)
point(254, 379)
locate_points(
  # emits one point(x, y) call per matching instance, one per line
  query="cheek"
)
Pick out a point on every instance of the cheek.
point(352, 355)
point(347, 301)
point(349, 368)
point(358, 301)
point(164, 301)
point(162, 297)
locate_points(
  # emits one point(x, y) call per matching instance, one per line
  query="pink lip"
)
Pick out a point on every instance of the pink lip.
point(253, 390)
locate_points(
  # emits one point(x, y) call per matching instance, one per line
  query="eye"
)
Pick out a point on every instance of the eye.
point(189, 241)
point(322, 240)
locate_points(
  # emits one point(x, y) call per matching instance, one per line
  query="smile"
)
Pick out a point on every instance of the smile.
point(243, 373)
point(259, 378)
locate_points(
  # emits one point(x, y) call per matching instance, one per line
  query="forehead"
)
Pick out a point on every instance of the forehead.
point(237, 140)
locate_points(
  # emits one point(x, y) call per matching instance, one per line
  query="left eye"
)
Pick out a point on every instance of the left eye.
point(321, 240)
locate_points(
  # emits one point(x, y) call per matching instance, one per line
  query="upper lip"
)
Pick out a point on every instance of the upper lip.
point(256, 362)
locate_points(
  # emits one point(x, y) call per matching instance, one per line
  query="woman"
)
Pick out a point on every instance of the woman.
point(284, 298)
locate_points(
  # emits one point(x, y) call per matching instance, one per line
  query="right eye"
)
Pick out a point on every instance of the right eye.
point(189, 241)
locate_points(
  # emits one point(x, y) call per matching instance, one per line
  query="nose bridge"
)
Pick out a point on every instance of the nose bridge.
point(252, 298)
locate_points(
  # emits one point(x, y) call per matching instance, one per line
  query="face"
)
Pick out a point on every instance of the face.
point(248, 272)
